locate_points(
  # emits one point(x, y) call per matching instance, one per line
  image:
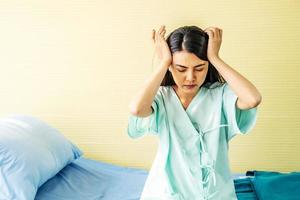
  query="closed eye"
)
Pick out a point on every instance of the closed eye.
point(199, 70)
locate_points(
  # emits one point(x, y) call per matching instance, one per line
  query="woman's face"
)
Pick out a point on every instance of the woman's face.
point(188, 69)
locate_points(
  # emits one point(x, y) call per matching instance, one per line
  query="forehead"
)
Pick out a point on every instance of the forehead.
point(184, 57)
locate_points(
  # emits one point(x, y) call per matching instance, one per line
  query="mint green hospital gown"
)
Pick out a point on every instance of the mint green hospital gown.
point(191, 162)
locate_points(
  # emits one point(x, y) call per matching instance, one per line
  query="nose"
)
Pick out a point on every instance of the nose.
point(190, 76)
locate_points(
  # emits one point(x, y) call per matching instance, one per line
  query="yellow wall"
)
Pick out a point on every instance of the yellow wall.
point(76, 64)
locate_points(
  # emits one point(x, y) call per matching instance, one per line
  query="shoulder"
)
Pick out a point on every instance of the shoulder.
point(162, 93)
point(164, 90)
point(215, 85)
point(214, 89)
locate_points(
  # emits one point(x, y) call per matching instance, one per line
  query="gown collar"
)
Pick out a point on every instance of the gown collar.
point(198, 94)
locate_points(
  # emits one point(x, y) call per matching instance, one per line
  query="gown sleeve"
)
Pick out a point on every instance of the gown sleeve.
point(139, 126)
point(239, 121)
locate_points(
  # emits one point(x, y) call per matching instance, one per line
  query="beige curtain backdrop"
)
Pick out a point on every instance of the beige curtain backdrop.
point(77, 64)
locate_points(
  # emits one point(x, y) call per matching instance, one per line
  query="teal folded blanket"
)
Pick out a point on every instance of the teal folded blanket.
point(275, 185)
point(244, 189)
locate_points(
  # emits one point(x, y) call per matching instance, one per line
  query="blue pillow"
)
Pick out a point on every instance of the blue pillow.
point(31, 152)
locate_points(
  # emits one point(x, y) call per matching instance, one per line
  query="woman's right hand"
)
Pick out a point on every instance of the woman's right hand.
point(162, 50)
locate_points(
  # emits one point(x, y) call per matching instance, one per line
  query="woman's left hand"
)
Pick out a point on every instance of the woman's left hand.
point(214, 42)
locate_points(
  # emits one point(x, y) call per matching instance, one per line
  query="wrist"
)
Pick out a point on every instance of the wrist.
point(164, 64)
point(214, 59)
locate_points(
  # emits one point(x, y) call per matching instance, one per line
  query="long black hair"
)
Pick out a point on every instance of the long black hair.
point(194, 40)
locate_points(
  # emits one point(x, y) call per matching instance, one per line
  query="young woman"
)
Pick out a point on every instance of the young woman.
point(195, 103)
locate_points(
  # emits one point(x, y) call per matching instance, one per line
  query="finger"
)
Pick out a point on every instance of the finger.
point(161, 29)
point(153, 35)
point(221, 33)
point(210, 28)
point(210, 33)
point(217, 33)
point(163, 33)
point(156, 35)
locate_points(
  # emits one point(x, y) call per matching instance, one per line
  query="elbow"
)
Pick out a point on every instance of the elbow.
point(133, 110)
point(140, 112)
point(257, 100)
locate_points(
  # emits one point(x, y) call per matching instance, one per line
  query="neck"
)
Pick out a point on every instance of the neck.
point(183, 96)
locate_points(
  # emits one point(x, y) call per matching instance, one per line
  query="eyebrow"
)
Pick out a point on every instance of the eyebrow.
point(187, 67)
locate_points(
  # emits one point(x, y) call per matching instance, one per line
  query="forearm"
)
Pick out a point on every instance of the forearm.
point(242, 87)
point(141, 103)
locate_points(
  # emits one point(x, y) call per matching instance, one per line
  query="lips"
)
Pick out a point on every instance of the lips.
point(190, 86)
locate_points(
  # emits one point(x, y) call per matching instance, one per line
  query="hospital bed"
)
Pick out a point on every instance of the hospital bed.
point(90, 180)
point(38, 163)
